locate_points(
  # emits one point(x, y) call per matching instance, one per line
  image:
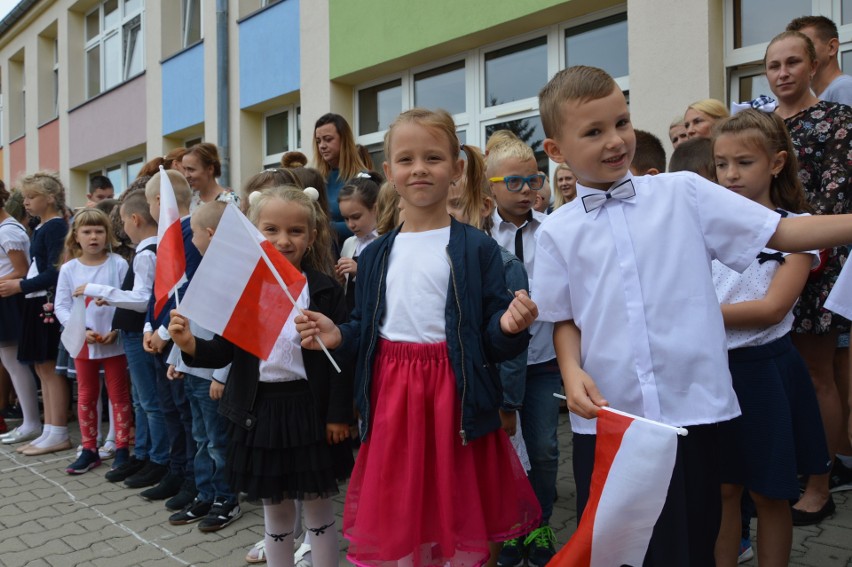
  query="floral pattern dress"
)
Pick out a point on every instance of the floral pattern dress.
point(822, 137)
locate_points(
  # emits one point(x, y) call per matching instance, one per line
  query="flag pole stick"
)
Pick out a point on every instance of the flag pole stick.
point(283, 285)
point(682, 431)
point(293, 301)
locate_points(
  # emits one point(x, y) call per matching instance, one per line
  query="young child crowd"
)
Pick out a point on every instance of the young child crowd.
point(457, 307)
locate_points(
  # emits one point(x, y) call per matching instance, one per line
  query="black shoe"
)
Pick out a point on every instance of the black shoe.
point(221, 514)
point(192, 512)
point(12, 413)
point(149, 475)
point(124, 470)
point(166, 488)
point(803, 518)
point(185, 496)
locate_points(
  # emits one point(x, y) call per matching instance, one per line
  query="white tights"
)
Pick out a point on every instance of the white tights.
point(279, 521)
point(25, 388)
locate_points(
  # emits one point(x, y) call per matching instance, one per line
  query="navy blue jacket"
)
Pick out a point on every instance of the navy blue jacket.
point(476, 299)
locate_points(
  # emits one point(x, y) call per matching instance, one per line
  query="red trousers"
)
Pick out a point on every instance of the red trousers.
point(88, 390)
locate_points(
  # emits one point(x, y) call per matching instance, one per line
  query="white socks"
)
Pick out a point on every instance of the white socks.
point(55, 436)
point(25, 388)
point(45, 433)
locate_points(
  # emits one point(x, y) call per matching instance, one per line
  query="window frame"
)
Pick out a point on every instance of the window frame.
point(293, 115)
point(186, 6)
point(123, 168)
point(123, 30)
point(477, 115)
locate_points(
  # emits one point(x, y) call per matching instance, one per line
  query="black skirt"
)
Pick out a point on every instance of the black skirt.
point(39, 341)
point(286, 456)
point(10, 318)
point(780, 433)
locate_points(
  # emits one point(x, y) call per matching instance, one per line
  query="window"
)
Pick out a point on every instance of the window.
point(495, 86)
point(751, 24)
point(192, 142)
point(191, 21)
point(114, 45)
point(55, 77)
point(516, 72)
point(442, 87)
point(583, 45)
point(758, 21)
point(378, 106)
point(120, 174)
point(281, 134)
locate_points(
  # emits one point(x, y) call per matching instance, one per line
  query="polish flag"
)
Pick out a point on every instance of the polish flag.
point(840, 298)
point(235, 293)
point(171, 259)
point(74, 334)
point(634, 459)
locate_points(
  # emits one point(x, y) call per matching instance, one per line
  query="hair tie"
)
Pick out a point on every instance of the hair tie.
point(312, 193)
point(363, 175)
point(253, 198)
point(762, 103)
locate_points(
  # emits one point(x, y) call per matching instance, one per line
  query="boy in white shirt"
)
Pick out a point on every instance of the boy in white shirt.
point(624, 273)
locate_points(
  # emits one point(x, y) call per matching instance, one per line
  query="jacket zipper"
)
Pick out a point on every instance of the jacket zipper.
point(462, 433)
point(370, 347)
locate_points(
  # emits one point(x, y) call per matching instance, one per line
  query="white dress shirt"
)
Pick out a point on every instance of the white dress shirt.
point(136, 299)
point(634, 276)
point(541, 342)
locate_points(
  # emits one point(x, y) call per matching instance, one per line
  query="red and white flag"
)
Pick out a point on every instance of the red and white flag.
point(634, 459)
point(235, 294)
point(171, 258)
point(74, 334)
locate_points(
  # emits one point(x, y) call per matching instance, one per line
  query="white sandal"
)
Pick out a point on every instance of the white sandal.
point(257, 554)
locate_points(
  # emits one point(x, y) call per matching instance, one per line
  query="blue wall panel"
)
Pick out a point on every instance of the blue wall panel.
point(183, 90)
point(269, 53)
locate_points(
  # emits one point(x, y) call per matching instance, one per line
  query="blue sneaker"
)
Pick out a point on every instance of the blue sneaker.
point(87, 460)
point(541, 546)
point(513, 553)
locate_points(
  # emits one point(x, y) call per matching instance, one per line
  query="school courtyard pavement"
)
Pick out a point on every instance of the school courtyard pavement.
point(48, 518)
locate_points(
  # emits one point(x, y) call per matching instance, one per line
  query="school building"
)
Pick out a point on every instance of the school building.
point(90, 87)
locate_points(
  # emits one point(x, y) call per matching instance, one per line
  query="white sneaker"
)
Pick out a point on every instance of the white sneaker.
point(108, 450)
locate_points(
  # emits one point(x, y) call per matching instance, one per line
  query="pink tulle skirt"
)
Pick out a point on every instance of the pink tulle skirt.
point(418, 496)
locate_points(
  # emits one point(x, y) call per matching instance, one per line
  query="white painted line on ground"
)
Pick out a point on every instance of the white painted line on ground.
point(30, 467)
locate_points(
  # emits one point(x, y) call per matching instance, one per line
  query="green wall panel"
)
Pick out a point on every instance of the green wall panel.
point(365, 33)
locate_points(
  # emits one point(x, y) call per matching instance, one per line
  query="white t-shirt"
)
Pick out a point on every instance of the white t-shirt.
point(98, 318)
point(634, 275)
point(416, 291)
point(285, 363)
point(751, 285)
point(13, 236)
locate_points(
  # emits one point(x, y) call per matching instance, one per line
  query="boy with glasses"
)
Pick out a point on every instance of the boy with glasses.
point(513, 173)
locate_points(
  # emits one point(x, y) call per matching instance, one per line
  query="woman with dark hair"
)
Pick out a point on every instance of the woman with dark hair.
point(337, 159)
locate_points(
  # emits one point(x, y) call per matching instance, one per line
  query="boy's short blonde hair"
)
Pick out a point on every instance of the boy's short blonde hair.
point(183, 193)
point(507, 149)
point(209, 214)
point(574, 83)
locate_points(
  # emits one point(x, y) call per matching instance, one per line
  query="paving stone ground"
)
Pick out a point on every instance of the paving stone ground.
point(49, 519)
